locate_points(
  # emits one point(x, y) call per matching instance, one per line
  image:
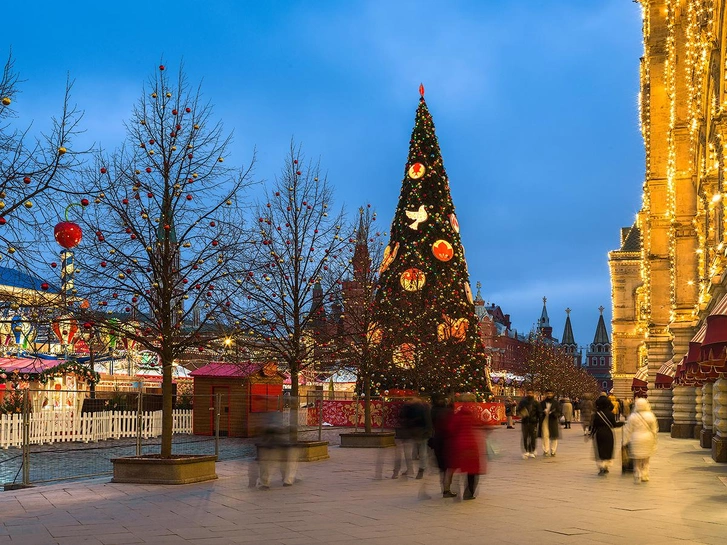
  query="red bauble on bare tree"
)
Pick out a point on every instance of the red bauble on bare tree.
point(68, 234)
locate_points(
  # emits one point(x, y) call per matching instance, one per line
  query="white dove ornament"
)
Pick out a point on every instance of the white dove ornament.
point(419, 216)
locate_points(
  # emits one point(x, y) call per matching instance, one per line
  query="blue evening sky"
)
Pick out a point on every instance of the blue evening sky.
point(534, 102)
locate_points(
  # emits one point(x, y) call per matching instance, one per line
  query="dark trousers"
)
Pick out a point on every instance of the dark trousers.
point(530, 436)
point(472, 480)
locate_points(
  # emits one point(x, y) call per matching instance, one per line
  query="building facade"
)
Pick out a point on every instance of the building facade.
point(681, 258)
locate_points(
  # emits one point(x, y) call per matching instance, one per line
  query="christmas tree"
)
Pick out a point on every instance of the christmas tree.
point(425, 317)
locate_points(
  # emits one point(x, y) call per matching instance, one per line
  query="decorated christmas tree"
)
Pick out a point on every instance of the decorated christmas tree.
point(425, 316)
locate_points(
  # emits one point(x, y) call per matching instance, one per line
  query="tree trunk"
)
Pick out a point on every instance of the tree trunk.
point(167, 420)
point(294, 404)
point(367, 405)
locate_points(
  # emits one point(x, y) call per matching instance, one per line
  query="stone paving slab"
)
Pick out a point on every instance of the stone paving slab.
point(546, 501)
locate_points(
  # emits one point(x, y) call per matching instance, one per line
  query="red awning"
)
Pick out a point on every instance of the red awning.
point(223, 369)
point(665, 375)
point(639, 383)
point(711, 363)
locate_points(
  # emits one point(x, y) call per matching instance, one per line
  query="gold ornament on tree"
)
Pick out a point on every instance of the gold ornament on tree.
point(389, 256)
point(412, 279)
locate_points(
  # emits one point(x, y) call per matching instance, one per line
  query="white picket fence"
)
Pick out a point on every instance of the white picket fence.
point(66, 426)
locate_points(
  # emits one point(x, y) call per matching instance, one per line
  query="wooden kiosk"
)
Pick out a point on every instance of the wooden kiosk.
point(247, 392)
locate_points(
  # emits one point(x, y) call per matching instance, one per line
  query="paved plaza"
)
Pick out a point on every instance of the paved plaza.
point(541, 501)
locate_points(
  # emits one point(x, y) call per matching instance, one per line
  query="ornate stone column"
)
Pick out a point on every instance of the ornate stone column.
point(719, 426)
point(698, 416)
point(684, 412)
point(705, 436)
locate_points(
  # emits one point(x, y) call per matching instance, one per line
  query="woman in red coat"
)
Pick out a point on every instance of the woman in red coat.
point(465, 448)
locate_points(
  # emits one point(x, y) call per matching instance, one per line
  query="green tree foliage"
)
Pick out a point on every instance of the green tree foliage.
point(425, 313)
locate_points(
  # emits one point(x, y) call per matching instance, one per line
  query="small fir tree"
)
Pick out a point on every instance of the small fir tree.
point(425, 317)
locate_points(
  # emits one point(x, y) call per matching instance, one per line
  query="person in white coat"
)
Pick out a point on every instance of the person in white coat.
point(640, 435)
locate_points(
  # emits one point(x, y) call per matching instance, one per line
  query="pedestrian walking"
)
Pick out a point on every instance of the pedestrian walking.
point(441, 442)
point(413, 431)
point(640, 436)
point(602, 426)
point(586, 405)
point(567, 408)
point(550, 423)
point(529, 411)
point(465, 452)
point(510, 408)
point(577, 409)
point(616, 405)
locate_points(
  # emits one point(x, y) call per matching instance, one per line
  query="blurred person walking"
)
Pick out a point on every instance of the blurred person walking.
point(640, 436)
point(567, 408)
point(586, 413)
point(602, 426)
point(577, 409)
point(529, 411)
point(414, 430)
point(550, 423)
point(510, 408)
point(441, 442)
point(465, 448)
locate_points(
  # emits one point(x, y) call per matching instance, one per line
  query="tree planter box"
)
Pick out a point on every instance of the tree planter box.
point(367, 440)
point(151, 469)
point(308, 451)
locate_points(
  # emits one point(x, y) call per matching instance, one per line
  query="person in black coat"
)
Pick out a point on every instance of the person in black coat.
point(530, 414)
point(602, 425)
point(441, 440)
point(550, 423)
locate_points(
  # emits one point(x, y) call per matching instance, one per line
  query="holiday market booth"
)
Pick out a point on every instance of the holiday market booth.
point(247, 392)
point(54, 385)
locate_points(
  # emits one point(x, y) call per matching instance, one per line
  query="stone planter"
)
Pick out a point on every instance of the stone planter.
point(308, 451)
point(367, 440)
point(151, 469)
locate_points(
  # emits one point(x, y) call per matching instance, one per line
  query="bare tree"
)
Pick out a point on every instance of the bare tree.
point(37, 178)
point(359, 345)
point(296, 264)
point(164, 242)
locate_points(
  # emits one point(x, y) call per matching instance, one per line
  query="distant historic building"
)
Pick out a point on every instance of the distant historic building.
point(568, 340)
point(668, 276)
point(598, 357)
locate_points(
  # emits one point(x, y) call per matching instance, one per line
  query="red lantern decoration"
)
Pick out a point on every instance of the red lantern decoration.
point(68, 234)
point(65, 328)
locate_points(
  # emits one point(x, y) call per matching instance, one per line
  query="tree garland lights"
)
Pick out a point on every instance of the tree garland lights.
point(424, 311)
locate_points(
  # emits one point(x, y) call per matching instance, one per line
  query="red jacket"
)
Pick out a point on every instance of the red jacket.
point(466, 442)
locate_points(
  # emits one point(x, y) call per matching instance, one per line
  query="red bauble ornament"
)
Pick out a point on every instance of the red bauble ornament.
point(298, 172)
point(84, 202)
point(103, 170)
point(188, 110)
point(44, 286)
point(3, 221)
point(26, 179)
point(148, 170)
point(103, 263)
point(174, 112)
point(125, 201)
point(87, 325)
point(189, 197)
point(190, 155)
point(150, 195)
point(68, 234)
point(54, 264)
point(212, 224)
point(215, 243)
point(161, 67)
